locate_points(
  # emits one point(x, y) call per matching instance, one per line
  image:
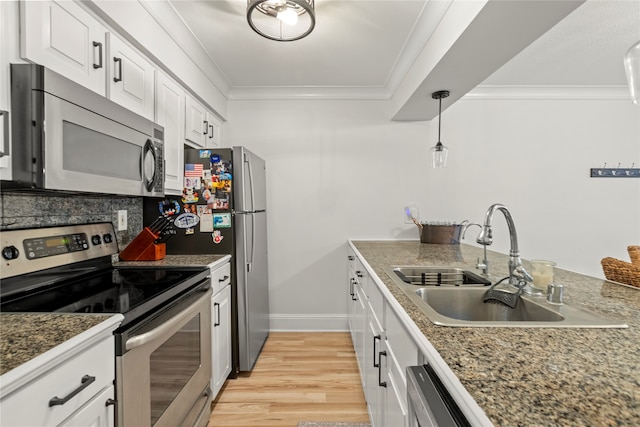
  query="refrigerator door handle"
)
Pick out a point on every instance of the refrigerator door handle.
point(253, 241)
point(250, 173)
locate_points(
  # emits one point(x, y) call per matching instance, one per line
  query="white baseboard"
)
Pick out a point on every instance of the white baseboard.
point(308, 322)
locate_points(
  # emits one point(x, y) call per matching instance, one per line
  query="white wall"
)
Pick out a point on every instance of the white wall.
point(341, 169)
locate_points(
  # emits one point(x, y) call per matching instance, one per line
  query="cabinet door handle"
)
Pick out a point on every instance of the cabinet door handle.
point(359, 273)
point(375, 338)
point(119, 61)
point(223, 279)
point(350, 258)
point(217, 307)
point(206, 127)
point(85, 382)
point(380, 382)
point(99, 64)
point(351, 287)
point(211, 128)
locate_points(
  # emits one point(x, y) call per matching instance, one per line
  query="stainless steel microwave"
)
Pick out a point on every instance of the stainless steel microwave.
point(66, 137)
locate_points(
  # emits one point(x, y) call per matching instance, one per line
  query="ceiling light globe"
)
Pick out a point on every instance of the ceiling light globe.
point(283, 20)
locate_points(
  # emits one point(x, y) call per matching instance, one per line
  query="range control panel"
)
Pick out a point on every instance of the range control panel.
point(28, 250)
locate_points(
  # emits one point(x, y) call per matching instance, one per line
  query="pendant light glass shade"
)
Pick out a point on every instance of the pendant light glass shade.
point(439, 155)
point(281, 20)
point(632, 68)
point(439, 151)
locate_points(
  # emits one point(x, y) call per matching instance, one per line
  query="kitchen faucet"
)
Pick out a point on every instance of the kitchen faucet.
point(518, 276)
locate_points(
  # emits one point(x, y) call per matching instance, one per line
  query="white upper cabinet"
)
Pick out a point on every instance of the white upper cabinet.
point(196, 125)
point(131, 78)
point(170, 100)
point(62, 36)
point(202, 127)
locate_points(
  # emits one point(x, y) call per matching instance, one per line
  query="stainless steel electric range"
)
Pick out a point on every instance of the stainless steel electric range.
point(163, 345)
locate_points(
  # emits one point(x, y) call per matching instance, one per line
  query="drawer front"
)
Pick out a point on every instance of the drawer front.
point(220, 277)
point(29, 406)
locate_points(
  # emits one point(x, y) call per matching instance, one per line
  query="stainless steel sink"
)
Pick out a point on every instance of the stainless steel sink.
point(464, 306)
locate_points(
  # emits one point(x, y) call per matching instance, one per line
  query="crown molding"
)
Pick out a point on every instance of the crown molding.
point(309, 93)
point(550, 92)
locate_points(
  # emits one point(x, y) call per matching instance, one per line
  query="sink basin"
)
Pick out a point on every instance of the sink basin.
point(463, 306)
point(439, 276)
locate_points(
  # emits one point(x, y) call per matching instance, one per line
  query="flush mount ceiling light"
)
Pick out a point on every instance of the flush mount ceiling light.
point(439, 151)
point(281, 20)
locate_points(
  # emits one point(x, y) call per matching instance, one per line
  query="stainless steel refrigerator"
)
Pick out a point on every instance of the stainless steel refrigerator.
point(223, 211)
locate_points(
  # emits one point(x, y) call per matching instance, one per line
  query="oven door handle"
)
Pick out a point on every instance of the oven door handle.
point(167, 328)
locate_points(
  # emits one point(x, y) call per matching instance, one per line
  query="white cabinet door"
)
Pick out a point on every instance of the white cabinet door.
point(374, 345)
point(214, 132)
point(196, 125)
point(131, 78)
point(62, 36)
point(99, 412)
point(221, 339)
point(170, 115)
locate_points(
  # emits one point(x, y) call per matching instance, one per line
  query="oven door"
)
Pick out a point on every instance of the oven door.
point(84, 151)
point(163, 377)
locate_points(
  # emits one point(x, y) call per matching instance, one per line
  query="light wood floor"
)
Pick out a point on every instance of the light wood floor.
point(298, 377)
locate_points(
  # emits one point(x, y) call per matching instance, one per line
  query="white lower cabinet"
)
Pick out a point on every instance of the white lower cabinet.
point(76, 392)
point(384, 350)
point(220, 327)
point(96, 413)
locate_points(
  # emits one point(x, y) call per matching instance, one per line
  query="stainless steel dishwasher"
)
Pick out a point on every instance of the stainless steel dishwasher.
point(429, 402)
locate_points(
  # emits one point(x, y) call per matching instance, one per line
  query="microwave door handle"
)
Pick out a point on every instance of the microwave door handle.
point(149, 150)
point(166, 329)
point(5, 133)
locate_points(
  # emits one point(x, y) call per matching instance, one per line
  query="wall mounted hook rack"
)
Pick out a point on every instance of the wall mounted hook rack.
point(617, 172)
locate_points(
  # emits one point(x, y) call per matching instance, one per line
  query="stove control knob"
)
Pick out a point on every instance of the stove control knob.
point(107, 238)
point(10, 252)
point(96, 240)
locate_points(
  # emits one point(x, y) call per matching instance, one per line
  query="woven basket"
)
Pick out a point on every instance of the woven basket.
point(634, 254)
point(622, 271)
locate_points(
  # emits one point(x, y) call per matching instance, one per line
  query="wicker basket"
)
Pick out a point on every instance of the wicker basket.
point(634, 254)
point(622, 271)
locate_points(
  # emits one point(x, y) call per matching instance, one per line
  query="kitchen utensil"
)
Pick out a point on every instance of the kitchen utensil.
point(443, 234)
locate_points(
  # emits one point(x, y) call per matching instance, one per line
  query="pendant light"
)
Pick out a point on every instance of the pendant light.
point(439, 151)
point(281, 20)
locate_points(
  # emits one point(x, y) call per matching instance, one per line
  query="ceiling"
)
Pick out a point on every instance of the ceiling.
point(365, 48)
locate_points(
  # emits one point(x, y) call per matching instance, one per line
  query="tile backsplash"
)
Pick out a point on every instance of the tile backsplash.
point(20, 210)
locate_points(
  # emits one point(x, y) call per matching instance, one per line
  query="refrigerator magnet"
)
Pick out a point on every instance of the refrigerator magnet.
point(169, 207)
point(217, 237)
point(186, 220)
point(204, 154)
point(206, 223)
point(222, 220)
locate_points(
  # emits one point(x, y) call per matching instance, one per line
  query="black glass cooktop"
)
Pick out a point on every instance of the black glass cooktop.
point(131, 292)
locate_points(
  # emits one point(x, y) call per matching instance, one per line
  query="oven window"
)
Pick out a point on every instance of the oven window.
point(172, 366)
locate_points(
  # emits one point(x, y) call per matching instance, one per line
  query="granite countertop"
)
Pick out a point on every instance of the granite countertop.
point(533, 376)
point(177, 261)
point(24, 336)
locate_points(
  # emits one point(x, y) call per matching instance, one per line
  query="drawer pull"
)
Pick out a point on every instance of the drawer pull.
point(223, 279)
point(84, 383)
